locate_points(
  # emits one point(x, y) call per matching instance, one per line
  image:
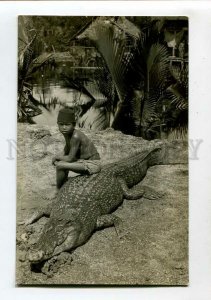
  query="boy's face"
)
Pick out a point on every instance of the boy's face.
point(66, 128)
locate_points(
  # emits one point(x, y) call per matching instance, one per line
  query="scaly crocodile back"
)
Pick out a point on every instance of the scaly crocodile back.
point(133, 168)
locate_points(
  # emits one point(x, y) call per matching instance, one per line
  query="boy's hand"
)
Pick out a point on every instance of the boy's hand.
point(54, 160)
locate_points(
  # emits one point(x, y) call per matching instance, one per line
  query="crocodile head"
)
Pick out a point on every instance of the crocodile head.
point(58, 235)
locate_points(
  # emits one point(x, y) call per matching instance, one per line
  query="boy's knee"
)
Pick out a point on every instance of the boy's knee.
point(61, 173)
point(57, 168)
point(61, 169)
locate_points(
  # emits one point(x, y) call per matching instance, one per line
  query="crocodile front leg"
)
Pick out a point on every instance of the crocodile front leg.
point(105, 221)
point(145, 192)
point(41, 212)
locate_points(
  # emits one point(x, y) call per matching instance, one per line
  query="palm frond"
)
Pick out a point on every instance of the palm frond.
point(94, 119)
point(157, 54)
point(149, 111)
point(176, 72)
point(114, 52)
point(27, 64)
point(38, 62)
point(178, 92)
point(157, 70)
point(113, 49)
point(104, 83)
point(25, 59)
point(177, 97)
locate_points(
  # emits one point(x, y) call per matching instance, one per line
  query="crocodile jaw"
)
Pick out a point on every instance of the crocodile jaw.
point(71, 241)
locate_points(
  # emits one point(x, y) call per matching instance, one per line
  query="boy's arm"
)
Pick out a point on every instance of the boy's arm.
point(74, 146)
point(55, 157)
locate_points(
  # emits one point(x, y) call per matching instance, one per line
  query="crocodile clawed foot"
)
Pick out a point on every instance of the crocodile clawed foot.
point(152, 194)
point(52, 265)
point(120, 228)
point(122, 233)
point(105, 221)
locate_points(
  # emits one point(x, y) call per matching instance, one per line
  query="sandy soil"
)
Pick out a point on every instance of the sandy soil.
point(154, 249)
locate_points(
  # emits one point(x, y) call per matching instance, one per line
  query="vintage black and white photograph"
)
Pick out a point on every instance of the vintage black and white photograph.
point(102, 151)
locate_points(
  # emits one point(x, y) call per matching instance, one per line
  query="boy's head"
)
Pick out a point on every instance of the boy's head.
point(66, 120)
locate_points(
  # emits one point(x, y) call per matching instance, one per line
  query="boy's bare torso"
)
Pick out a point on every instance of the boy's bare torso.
point(85, 147)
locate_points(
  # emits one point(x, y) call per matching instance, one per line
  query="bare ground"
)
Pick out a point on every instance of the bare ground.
point(154, 249)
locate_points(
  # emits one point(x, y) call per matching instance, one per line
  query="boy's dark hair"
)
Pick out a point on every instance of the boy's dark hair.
point(66, 115)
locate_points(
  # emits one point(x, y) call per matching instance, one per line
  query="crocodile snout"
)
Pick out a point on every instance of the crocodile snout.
point(36, 256)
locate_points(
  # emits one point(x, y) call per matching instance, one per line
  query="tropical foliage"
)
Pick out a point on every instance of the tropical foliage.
point(176, 113)
point(28, 63)
point(141, 76)
point(133, 88)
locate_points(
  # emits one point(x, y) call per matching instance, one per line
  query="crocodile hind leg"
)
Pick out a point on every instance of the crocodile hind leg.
point(145, 192)
point(41, 212)
point(105, 221)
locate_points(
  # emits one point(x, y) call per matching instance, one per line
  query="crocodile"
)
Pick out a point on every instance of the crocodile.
point(85, 203)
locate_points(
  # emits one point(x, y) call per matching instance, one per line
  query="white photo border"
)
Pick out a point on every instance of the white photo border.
point(199, 14)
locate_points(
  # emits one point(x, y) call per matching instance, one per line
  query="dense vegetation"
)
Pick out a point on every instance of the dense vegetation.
point(140, 92)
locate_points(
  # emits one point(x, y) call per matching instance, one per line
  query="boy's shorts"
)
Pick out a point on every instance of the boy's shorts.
point(92, 166)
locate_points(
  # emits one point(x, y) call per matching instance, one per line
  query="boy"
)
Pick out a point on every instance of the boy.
point(80, 154)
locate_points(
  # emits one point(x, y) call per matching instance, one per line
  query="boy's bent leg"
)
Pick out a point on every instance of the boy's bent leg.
point(61, 177)
point(76, 167)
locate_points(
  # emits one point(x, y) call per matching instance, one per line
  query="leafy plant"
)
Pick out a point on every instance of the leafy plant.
point(176, 114)
point(141, 76)
point(112, 45)
point(152, 73)
point(28, 64)
point(140, 72)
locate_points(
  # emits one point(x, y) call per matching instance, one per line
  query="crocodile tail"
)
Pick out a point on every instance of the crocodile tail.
point(169, 153)
point(156, 156)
